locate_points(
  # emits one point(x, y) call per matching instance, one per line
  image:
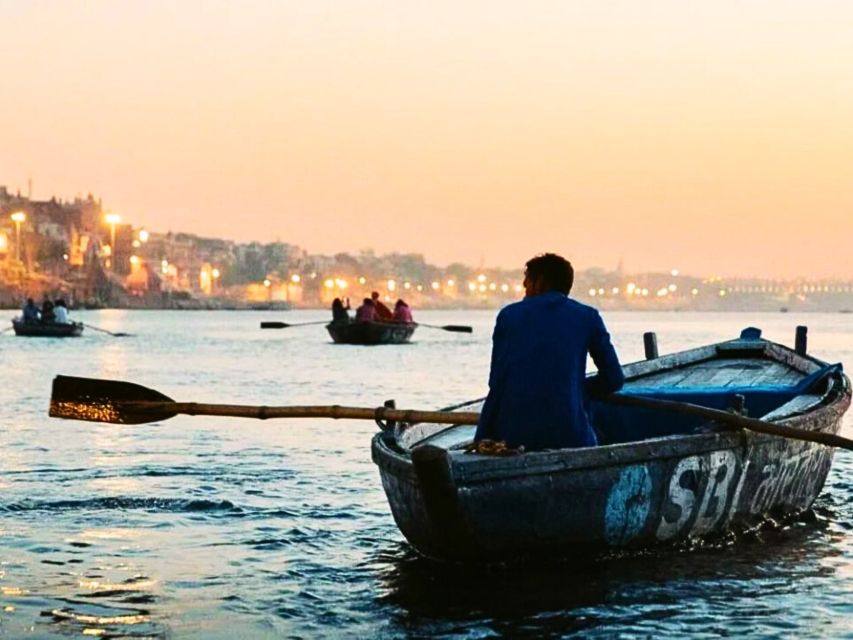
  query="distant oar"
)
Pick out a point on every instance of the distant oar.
point(731, 419)
point(127, 403)
point(459, 328)
point(285, 325)
point(115, 334)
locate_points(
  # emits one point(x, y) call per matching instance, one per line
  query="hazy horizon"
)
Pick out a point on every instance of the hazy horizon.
point(715, 139)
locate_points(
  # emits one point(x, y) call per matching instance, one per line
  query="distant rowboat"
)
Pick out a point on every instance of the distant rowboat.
point(657, 477)
point(370, 333)
point(47, 329)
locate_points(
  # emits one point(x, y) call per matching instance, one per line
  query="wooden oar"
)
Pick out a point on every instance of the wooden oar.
point(127, 403)
point(731, 419)
point(114, 334)
point(459, 328)
point(285, 325)
point(120, 402)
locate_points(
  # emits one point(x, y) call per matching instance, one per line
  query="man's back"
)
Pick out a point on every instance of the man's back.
point(536, 384)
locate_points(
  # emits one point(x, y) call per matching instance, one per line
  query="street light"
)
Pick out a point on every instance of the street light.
point(18, 217)
point(112, 219)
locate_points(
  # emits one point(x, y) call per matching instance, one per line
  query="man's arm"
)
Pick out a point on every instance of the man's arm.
point(486, 425)
point(610, 377)
point(498, 350)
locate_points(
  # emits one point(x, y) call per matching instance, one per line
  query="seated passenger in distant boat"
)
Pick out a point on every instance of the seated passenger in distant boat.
point(366, 312)
point(30, 312)
point(402, 312)
point(60, 312)
point(382, 312)
point(47, 313)
point(340, 313)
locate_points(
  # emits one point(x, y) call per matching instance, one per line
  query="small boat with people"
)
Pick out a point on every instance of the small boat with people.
point(51, 321)
point(689, 449)
point(371, 332)
point(47, 329)
point(374, 323)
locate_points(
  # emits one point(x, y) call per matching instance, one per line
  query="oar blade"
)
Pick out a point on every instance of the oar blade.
point(458, 328)
point(274, 325)
point(110, 401)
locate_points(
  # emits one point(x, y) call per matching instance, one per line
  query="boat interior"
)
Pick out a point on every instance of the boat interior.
point(763, 387)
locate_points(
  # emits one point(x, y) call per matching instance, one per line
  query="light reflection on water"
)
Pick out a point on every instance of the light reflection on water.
point(200, 526)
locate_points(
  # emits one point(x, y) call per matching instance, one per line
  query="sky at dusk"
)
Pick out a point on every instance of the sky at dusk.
point(715, 137)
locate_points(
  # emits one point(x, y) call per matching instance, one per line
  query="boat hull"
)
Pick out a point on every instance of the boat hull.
point(50, 330)
point(370, 333)
point(456, 506)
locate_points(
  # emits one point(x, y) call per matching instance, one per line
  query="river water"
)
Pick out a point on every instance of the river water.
point(221, 528)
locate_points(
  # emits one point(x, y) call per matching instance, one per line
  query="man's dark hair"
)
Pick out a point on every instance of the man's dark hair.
point(556, 272)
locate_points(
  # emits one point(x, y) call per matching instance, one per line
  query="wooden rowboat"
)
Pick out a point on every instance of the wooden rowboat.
point(358, 332)
point(656, 478)
point(47, 329)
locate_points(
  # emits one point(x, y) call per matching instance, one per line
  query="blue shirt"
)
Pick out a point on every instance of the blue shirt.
point(30, 313)
point(537, 383)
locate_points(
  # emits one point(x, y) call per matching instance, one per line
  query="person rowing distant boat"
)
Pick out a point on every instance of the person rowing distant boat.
point(537, 382)
point(382, 312)
point(60, 312)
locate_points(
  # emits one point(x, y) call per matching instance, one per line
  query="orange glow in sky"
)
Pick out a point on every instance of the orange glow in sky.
point(713, 137)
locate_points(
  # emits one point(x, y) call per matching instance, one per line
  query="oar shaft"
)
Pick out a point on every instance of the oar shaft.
point(458, 328)
point(743, 422)
point(308, 411)
point(287, 325)
point(91, 326)
point(120, 334)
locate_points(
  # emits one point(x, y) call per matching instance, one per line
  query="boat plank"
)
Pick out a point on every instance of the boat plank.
point(663, 379)
point(779, 374)
point(795, 405)
point(702, 377)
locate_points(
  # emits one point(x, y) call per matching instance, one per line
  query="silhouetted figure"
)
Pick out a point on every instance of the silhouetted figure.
point(402, 312)
point(382, 312)
point(340, 313)
point(47, 314)
point(366, 312)
point(30, 312)
point(60, 312)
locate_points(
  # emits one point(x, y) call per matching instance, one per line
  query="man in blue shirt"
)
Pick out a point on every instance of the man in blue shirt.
point(30, 312)
point(537, 383)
